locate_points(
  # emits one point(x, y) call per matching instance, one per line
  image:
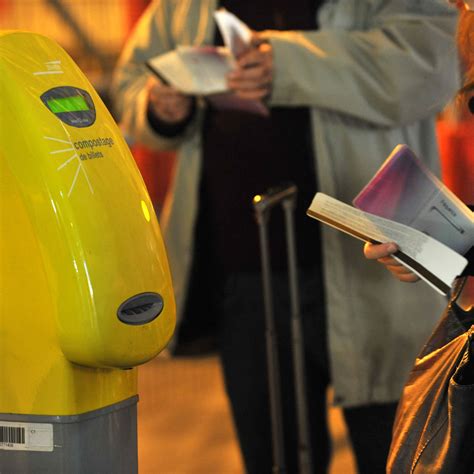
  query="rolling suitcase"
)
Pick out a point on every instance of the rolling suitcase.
point(263, 205)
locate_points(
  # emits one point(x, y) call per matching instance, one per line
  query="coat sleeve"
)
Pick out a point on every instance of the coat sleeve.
point(151, 36)
point(401, 66)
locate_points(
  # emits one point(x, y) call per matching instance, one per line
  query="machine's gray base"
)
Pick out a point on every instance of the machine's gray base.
point(102, 441)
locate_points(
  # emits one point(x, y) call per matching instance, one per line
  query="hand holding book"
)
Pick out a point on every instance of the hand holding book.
point(204, 70)
point(406, 204)
point(168, 105)
point(383, 253)
point(252, 78)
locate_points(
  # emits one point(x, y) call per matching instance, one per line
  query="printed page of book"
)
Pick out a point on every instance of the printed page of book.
point(431, 260)
point(406, 191)
point(237, 36)
point(194, 70)
point(202, 71)
point(235, 33)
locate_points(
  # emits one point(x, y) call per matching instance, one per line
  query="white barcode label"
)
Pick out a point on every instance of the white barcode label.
point(26, 436)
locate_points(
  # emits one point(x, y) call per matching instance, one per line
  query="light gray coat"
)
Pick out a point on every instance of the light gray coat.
point(374, 76)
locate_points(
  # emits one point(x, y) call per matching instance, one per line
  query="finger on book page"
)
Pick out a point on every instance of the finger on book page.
point(377, 251)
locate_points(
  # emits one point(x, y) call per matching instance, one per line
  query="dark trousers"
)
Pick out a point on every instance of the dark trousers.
point(241, 343)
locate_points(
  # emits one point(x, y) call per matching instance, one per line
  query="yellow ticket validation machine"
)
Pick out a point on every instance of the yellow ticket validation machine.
point(85, 289)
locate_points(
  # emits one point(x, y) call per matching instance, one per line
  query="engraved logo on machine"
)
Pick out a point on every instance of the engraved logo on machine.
point(51, 67)
point(67, 146)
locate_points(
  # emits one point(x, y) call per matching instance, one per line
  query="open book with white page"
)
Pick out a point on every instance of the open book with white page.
point(405, 203)
point(202, 70)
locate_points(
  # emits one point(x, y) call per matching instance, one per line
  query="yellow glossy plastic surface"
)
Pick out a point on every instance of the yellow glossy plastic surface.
point(78, 237)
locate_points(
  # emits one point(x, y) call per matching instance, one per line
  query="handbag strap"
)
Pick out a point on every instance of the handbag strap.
point(465, 317)
point(457, 289)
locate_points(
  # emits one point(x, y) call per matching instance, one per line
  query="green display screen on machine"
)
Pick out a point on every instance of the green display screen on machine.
point(75, 103)
point(71, 105)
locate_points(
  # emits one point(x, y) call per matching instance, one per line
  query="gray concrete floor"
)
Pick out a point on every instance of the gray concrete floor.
point(184, 422)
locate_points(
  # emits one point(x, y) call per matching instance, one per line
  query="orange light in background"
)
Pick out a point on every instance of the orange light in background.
point(135, 8)
point(157, 169)
point(456, 144)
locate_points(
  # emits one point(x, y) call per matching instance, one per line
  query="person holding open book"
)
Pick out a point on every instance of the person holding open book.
point(383, 252)
point(344, 81)
point(434, 428)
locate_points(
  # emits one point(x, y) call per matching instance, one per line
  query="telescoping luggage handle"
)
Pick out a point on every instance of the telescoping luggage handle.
point(263, 204)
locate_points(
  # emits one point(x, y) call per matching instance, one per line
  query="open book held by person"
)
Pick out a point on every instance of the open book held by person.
point(407, 204)
point(202, 70)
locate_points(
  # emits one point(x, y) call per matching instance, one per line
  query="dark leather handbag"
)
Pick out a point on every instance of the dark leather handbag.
point(434, 426)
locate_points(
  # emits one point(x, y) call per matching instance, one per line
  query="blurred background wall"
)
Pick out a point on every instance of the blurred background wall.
point(91, 31)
